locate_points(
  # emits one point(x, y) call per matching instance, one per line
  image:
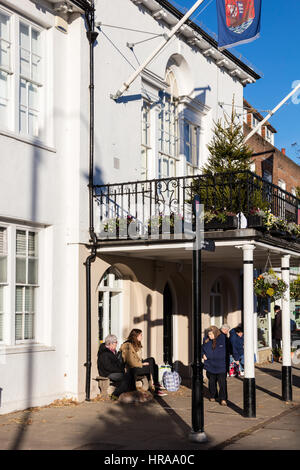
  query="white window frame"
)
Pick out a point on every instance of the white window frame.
point(13, 124)
point(7, 70)
point(212, 296)
point(3, 285)
point(193, 143)
point(107, 291)
point(25, 285)
point(146, 139)
point(168, 136)
point(9, 331)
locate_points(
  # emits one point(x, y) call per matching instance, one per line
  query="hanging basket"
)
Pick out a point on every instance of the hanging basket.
point(269, 285)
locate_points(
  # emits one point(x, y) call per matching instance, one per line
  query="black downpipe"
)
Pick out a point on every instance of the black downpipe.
point(92, 36)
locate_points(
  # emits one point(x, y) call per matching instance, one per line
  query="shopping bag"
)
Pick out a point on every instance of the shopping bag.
point(161, 370)
point(171, 381)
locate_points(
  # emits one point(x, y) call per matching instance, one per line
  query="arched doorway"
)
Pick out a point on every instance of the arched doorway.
point(110, 292)
point(168, 325)
point(216, 304)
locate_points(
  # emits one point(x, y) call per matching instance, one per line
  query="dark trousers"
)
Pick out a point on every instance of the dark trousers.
point(124, 382)
point(213, 379)
point(151, 370)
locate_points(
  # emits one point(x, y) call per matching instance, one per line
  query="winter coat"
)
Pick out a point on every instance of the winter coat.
point(131, 357)
point(216, 358)
point(108, 362)
point(237, 345)
point(277, 327)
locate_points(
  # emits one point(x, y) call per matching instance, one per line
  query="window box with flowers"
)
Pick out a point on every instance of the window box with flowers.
point(215, 220)
point(117, 226)
point(160, 224)
point(266, 221)
point(269, 285)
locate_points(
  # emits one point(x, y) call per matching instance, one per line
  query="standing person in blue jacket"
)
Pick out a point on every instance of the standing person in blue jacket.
point(237, 347)
point(214, 355)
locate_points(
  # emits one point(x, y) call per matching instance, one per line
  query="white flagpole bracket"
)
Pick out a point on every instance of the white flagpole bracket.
point(167, 38)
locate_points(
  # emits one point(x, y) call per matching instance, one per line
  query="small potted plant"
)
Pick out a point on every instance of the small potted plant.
point(279, 228)
point(118, 226)
point(293, 231)
point(214, 220)
point(160, 224)
point(256, 219)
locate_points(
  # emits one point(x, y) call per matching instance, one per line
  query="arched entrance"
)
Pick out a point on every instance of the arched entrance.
point(168, 325)
point(216, 305)
point(110, 293)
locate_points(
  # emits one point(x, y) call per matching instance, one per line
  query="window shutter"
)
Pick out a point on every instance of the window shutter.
point(21, 242)
point(32, 246)
point(3, 241)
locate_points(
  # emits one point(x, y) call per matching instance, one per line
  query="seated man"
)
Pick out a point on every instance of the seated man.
point(110, 366)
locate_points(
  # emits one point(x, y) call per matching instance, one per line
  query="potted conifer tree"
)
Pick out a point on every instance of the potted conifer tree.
point(224, 188)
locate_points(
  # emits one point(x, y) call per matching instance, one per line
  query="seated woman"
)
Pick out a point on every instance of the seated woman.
point(214, 355)
point(132, 356)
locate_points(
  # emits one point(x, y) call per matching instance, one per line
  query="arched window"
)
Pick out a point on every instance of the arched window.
point(216, 304)
point(110, 304)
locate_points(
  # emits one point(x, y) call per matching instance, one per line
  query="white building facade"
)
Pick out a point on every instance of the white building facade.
point(159, 128)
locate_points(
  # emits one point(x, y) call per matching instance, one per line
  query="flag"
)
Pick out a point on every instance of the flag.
point(238, 22)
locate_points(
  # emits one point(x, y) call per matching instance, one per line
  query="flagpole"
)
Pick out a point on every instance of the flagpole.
point(271, 113)
point(168, 36)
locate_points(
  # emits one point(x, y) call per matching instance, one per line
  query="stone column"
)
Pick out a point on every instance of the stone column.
point(286, 332)
point(249, 377)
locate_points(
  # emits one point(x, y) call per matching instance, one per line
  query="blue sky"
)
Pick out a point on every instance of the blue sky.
point(276, 54)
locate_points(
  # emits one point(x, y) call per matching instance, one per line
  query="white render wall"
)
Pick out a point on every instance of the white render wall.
point(39, 186)
point(45, 184)
point(118, 125)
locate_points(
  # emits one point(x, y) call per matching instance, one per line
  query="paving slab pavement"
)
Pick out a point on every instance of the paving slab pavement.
point(164, 423)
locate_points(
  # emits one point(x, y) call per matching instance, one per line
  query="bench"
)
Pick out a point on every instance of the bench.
point(107, 387)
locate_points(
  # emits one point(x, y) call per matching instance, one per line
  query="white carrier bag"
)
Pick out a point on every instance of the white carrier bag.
point(161, 370)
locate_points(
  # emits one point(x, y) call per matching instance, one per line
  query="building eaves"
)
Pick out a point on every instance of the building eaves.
point(169, 7)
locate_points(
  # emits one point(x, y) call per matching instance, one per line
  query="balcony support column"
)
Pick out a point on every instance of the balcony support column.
point(249, 377)
point(286, 332)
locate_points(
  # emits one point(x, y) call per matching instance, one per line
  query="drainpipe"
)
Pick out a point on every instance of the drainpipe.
point(92, 36)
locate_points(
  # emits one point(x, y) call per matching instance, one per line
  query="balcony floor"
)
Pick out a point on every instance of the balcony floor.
point(226, 252)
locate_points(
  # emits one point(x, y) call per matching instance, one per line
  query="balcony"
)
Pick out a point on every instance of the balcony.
point(162, 208)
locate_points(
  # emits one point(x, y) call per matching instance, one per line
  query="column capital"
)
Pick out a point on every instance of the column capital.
point(246, 247)
point(285, 261)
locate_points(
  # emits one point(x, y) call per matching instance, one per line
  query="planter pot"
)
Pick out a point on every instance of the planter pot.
point(256, 221)
point(291, 237)
point(231, 222)
point(278, 233)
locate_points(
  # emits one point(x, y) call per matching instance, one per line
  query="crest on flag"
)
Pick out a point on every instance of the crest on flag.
point(238, 21)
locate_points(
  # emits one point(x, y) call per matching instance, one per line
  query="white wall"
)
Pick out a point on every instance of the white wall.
point(44, 184)
point(118, 124)
point(39, 185)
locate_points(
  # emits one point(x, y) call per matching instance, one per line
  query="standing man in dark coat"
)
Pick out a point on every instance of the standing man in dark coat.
point(110, 366)
point(277, 327)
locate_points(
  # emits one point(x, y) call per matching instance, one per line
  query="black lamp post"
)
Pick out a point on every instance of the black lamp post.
point(197, 434)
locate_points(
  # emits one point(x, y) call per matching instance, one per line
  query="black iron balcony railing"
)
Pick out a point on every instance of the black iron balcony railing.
point(143, 208)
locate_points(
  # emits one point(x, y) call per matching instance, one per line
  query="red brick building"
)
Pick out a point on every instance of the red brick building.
point(268, 161)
